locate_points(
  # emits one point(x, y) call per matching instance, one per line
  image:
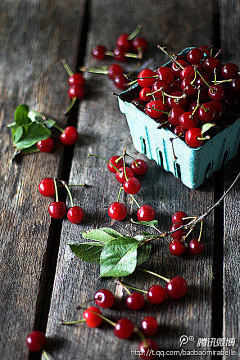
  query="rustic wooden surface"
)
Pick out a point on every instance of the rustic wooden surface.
point(31, 73)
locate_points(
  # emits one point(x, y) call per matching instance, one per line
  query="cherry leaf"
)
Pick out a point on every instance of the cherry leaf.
point(104, 234)
point(31, 134)
point(153, 223)
point(42, 119)
point(143, 253)
point(206, 127)
point(21, 115)
point(89, 252)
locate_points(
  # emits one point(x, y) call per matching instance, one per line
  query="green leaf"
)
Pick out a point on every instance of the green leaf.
point(32, 133)
point(119, 257)
point(42, 119)
point(13, 126)
point(103, 234)
point(21, 115)
point(30, 150)
point(143, 253)
point(89, 252)
point(18, 134)
point(153, 223)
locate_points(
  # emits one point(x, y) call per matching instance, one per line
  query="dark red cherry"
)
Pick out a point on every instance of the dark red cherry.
point(76, 79)
point(146, 213)
point(144, 94)
point(178, 217)
point(192, 137)
point(114, 70)
point(188, 121)
point(92, 319)
point(195, 247)
point(132, 186)
point(166, 74)
point(154, 109)
point(177, 68)
point(206, 113)
point(139, 44)
point(195, 56)
point(212, 63)
point(124, 328)
point(177, 247)
point(174, 115)
point(123, 42)
point(45, 145)
point(146, 78)
point(135, 301)
point(177, 287)
point(120, 175)
point(149, 326)
point(139, 166)
point(76, 92)
point(216, 92)
point(57, 209)
point(99, 52)
point(36, 340)
point(178, 234)
point(230, 71)
point(179, 100)
point(69, 136)
point(156, 294)
point(148, 349)
point(120, 82)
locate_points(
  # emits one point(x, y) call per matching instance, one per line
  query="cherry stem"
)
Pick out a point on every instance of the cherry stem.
point(59, 128)
point(135, 201)
point(46, 355)
point(162, 48)
point(72, 322)
point(207, 137)
point(218, 53)
point(152, 108)
point(183, 96)
point(195, 76)
point(200, 233)
point(124, 287)
point(103, 70)
point(56, 190)
point(134, 32)
point(189, 232)
point(133, 288)
point(223, 81)
point(124, 164)
point(133, 159)
point(69, 193)
point(100, 157)
point(101, 316)
point(67, 67)
point(142, 338)
point(70, 105)
point(118, 159)
point(153, 273)
point(204, 80)
point(119, 193)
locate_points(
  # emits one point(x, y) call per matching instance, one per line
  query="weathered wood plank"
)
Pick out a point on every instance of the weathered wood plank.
point(34, 37)
point(104, 131)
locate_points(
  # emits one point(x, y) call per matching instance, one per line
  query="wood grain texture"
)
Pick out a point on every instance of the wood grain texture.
point(104, 131)
point(34, 37)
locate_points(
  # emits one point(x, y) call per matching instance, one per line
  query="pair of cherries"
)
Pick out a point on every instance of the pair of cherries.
point(58, 209)
point(68, 137)
point(177, 246)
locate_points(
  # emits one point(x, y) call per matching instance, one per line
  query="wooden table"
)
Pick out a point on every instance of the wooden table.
point(41, 281)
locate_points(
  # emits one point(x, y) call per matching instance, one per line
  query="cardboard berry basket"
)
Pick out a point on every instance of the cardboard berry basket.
point(191, 165)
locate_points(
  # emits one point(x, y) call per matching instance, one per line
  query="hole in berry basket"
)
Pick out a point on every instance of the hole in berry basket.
point(226, 157)
point(177, 170)
point(143, 145)
point(208, 171)
point(160, 158)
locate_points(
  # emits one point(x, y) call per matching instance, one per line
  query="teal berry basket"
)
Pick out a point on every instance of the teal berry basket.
point(191, 165)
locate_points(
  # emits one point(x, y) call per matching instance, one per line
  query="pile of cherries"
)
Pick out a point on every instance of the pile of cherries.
point(126, 175)
point(58, 209)
point(177, 246)
point(193, 90)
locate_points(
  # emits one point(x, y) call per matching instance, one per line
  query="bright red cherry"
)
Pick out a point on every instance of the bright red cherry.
point(216, 92)
point(146, 78)
point(132, 186)
point(45, 145)
point(206, 112)
point(195, 56)
point(57, 209)
point(120, 175)
point(92, 319)
point(192, 137)
point(195, 247)
point(117, 211)
point(135, 301)
point(114, 70)
point(76, 79)
point(177, 247)
point(154, 109)
point(178, 234)
point(146, 213)
point(188, 121)
point(139, 166)
point(99, 52)
point(149, 326)
point(76, 92)
point(178, 217)
point(158, 87)
point(124, 328)
point(36, 340)
point(104, 298)
point(75, 214)
point(139, 44)
point(69, 136)
point(123, 42)
point(187, 86)
point(143, 94)
point(46, 187)
point(174, 115)
point(166, 74)
point(156, 294)
point(148, 349)
point(117, 164)
point(177, 287)
point(179, 100)
point(230, 71)
point(188, 71)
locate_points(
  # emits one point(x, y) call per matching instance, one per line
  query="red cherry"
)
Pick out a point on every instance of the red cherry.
point(139, 44)
point(166, 74)
point(36, 340)
point(177, 247)
point(124, 328)
point(178, 130)
point(146, 213)
point(118, 164)
point(230, 71)
point(45, 145)
point(212, 63)
point(156, 294)
point(140, 168)
point(76, 79)
point(114, 70)
point(132, 186)
point(99, 52)
point(154, 109)
point(120, 175)
point(177, 68)
point(146, 78)
point(46, 187)
point(120, 82)
point(206, 112)
point(218, 108)
point(177, 102)
point(57, 209)
point(104, 298)
point(75, 214)
point(119, 54)
point(174, 115)
point(216, 92)
point(187, 86)
point(158, 87)
point(149, 326)
point(123, 42)
point(148, 349)
point(195, 56)
point(117, 211)
point(195, 247)
point(205, 49)
point(235, 85)
point(92, 319)
point(76, 92)
point(178, 234)
point(191, 137)
point(69, 136)
point(188, 121)
point(178, 216)
point(135, 301)
point(188, 71)
point(177, 287)
point(143, 94)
